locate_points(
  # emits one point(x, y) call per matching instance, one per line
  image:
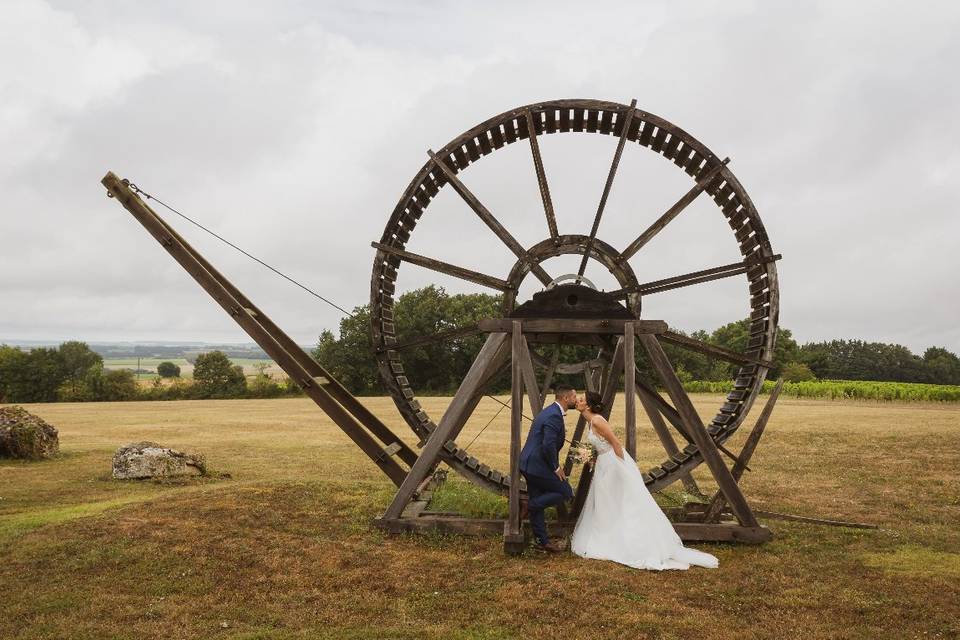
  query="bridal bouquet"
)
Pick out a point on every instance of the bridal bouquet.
point(583, 453)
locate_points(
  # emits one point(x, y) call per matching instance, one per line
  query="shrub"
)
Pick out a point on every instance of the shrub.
point(168, 370)
point(216, 377)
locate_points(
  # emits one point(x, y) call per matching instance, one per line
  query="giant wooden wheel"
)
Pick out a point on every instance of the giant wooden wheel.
point(627, 124)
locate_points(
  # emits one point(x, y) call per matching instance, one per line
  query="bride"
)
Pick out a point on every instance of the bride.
point(620, 520)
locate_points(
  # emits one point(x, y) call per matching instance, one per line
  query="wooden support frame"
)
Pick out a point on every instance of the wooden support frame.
point(695, 428)
point(718, 502)
point(491, 356)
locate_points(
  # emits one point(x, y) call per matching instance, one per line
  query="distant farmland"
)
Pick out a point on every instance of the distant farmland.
point(186, 369)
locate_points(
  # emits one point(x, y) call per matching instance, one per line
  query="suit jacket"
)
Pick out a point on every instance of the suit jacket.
point(540, 455)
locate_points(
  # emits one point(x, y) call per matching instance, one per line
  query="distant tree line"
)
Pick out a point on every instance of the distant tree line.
point(438, 367)
point(72, 372)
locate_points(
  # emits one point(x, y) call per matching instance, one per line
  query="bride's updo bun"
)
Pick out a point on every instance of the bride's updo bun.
point(594, 402)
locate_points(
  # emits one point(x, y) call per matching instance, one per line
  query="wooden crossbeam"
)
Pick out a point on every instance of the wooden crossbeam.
point(573, 325)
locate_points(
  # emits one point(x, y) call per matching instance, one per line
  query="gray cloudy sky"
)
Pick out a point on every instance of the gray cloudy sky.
point(292, 128)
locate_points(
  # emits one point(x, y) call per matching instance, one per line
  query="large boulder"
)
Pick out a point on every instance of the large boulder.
point(140, 460)
point(24, 435)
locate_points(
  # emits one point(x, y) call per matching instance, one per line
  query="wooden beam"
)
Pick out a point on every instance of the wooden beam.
point(710, 349)
point(614, 164)
point(694, 277)
point(693, 423)
point(548, 376)
point(688, 531)
point(718, 501)
point(487, 360)
point(444, 267)
point(541, 177)
point(629, 383)
point(488, 218)
point(512, 535)
point(672, 212)
point(529, 376)
point(440, 336)
point(552, 325)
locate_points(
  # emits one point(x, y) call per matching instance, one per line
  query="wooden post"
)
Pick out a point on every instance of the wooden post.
point(452, 422)
point(629, 385)
point(718, 501)
point(512, 535)
point(694, 426)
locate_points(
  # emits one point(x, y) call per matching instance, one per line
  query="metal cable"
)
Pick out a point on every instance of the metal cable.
point(140, 191)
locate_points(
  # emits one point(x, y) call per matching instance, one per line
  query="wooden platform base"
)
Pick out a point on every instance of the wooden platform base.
point(688, 531)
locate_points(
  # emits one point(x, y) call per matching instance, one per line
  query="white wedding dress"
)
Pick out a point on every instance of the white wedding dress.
point(621, 521)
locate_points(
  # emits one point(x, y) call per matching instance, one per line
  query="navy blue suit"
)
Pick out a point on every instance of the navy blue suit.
point(539, 460)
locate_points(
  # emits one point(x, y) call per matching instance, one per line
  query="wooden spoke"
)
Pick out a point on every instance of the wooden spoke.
point(606, 187)
point(710, 349)
point(488, 218)
point(541, 177)
point(440, 336)
point(672, 212)
point(444, 267)
point(695, 277)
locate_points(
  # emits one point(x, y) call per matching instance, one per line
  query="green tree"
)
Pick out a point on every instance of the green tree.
point(32, 376)
point(168, 370)
point(216, 377)
point(117, 384)
point(78, 363)
point(943, 367)
point(797, 372)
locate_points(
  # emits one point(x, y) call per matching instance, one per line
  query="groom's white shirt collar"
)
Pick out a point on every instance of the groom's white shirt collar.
point(562, 410)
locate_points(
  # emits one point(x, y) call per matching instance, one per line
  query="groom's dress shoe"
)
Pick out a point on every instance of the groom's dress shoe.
point(551, 547)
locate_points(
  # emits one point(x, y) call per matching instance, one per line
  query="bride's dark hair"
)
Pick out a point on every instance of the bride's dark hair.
point(594, 401)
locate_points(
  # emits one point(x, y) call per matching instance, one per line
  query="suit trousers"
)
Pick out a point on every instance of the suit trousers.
point(544, 492)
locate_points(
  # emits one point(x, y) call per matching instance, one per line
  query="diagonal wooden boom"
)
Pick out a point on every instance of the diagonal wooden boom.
point(344, 409)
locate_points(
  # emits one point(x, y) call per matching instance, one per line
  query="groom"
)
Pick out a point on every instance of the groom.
point(540, 465)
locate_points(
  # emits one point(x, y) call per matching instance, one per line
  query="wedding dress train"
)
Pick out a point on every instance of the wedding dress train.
point(621, 521)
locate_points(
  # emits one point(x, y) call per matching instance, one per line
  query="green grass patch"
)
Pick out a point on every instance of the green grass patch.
point(17, 524)
point(916, 560)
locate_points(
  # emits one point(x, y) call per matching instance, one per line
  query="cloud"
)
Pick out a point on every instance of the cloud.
point(293, 129)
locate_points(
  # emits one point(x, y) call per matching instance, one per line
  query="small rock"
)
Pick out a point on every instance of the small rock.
point(24, 435)
point(140, 460)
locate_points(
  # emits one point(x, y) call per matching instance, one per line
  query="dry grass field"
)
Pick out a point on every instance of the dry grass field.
point(282, 547)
